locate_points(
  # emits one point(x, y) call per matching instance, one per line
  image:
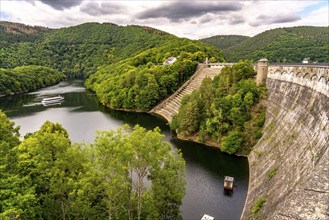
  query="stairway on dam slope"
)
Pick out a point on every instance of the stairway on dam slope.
point(170, 106)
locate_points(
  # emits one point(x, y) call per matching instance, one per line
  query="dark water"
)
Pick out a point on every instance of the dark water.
point(81, 115)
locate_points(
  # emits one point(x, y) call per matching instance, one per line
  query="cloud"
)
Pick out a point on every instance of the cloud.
point(61, 4)
point(104, 8)
point(206, 19)
point(236, 20)
point(185, 10)
point(192, 19)
point(278, 19)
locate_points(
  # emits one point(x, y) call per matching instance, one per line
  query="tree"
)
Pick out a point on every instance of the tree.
point(243, 70)
point(47, 158)
point(188, 118)
point(167, 189)
point(214, 123)
point(232, 142)
point(126, 160)
point(248, 100)
point(206, 96)
point(9, 138)
point(17, 196)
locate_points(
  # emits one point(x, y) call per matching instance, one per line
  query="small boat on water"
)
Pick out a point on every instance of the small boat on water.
point(56, 99)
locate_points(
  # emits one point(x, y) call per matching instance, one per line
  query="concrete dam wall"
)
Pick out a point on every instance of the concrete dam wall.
point(289, 166)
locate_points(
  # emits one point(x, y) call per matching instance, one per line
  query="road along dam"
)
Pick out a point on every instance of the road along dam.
point(289, 166)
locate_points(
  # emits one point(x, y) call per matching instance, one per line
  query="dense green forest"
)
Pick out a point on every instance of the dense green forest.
point(27, 78)
point(224, 41)
point(141, 81)
point(77, 51)
point(226, 111)
point(129, 173)
point(284, 45)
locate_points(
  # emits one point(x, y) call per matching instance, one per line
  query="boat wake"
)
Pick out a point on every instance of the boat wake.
point(32, 104)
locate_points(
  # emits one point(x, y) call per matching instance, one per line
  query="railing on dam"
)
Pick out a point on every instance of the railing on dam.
point(218, 65)
point(315, 77)
point(300, 64)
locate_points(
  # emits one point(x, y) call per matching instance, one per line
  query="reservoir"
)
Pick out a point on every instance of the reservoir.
point(81, 115)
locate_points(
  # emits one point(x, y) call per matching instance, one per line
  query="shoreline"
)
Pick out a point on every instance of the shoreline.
point(24, 92)
point(179, 137)
point(206, 144)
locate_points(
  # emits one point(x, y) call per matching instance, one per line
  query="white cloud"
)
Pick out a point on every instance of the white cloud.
point(247, 18)
point(319, 17)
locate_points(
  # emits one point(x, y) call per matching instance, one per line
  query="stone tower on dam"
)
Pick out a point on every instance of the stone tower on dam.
point(262, 69)
point(289, 166)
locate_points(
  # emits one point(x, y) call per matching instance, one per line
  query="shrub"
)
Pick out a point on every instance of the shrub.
point(232, 142)
point(258, 206)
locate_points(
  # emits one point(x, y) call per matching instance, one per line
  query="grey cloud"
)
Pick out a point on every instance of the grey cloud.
point(206, 19)
point(94, 8)
point(265, 19)
point(236, 20)
point(61, 4)
point(223, 19)
point(184, 10)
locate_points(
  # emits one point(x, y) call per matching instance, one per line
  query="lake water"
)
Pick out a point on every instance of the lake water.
point(81, 115)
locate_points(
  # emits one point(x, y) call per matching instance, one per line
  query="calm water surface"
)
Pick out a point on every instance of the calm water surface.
point(81, 115)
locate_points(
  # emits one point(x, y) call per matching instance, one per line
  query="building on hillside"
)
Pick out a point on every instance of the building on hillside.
point(170, 61)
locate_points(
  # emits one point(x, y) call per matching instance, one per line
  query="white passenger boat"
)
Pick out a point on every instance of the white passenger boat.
point(56, 99)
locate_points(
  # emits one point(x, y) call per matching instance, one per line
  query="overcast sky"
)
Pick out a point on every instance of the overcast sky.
point(193, 19)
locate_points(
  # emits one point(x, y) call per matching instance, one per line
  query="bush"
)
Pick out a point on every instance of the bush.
point(258, 206)
point(272, 172)
point(232, 142)
point(174, 123)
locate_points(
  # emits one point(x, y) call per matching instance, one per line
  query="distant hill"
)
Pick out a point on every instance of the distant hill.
point(77, 51)
point(224, 41)
point(284, 45)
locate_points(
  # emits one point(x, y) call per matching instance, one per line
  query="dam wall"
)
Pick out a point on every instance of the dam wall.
point(289, 166)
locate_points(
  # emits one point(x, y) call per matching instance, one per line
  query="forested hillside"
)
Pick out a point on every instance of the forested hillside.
point(224, 41)
point(284, 45)
point(27, 78)
point(78, 51)
point(141, 81)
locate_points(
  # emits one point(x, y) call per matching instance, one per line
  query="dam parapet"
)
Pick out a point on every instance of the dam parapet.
point(314, 77)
